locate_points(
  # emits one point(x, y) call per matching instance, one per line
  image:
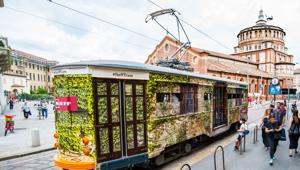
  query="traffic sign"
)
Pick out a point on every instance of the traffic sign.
point(275, 81)
point(274, 89)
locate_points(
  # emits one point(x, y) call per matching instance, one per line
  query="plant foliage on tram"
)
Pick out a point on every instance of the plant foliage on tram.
point(72, 126)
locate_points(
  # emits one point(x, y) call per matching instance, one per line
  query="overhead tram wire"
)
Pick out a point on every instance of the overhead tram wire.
point(103, 21)
point(192, 26)
point(71, 26)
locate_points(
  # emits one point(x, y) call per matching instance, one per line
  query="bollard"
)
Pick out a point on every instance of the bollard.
point(35, 135)
point(255, 132)
point(256, 127)
point(241, 146)
point(244, 143)
point(254, 135)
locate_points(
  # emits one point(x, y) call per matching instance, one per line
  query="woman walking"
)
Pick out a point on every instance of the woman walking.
point(294, 133)
point(263, 124)
point(273, 134)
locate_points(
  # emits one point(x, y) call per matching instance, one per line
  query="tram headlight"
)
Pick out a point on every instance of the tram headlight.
point(85, 140)
point(55, 135)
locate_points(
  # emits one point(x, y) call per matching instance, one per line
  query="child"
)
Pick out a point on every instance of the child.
point(242, 132)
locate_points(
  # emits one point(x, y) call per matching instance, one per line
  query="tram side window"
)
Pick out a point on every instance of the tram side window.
point(188, 104)
point(168, 97)
point(207, 96)
point(239, 99)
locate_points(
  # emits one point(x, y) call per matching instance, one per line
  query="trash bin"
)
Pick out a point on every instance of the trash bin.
point(35, 135)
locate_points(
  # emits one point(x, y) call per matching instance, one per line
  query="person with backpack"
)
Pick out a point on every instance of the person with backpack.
point(294, 133)
point(273, 130)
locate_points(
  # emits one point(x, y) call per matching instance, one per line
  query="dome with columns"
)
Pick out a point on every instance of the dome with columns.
point(261, 36)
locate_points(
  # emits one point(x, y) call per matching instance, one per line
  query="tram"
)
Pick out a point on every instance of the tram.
point(118, 114)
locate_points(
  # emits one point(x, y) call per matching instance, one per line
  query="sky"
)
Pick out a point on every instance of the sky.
point(67, 36)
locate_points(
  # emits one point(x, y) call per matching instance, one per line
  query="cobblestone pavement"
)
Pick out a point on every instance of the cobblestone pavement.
point(41, 161)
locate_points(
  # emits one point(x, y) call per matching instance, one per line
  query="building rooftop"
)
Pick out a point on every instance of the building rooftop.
point(199, 51)
point(32, 57)
point(229, 68)
point(261, 24)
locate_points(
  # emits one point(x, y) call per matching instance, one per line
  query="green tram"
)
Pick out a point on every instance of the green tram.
point(117, 114)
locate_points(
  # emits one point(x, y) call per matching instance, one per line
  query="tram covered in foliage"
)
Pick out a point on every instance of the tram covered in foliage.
point(117, 114)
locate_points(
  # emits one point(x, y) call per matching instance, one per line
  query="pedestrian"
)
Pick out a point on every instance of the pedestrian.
point(294, 106)
point(11, 104)
point(39, 109)
point(273, 134)
point(294, 133)
point(26, 110)
point(263, 123)
point(242, 132)
point(280, 113)
point(272, 107)
point(284, 102)
point(44, 110)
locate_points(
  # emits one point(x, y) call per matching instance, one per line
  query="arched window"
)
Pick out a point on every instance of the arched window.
point(194, 59)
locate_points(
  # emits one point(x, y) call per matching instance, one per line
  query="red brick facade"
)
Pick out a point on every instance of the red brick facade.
point(260, 55)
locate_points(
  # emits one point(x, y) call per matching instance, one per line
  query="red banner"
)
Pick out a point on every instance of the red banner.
point(68, 103)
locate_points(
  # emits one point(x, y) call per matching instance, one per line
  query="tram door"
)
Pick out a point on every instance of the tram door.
point(120, 118)
point(219, 105)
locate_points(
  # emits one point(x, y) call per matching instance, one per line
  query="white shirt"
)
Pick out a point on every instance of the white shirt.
point(243, 128)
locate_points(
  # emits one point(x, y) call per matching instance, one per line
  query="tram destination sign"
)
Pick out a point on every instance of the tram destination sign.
point(66, 103)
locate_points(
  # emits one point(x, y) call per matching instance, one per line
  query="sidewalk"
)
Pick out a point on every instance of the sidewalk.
point(255, 157)
point(19, 142)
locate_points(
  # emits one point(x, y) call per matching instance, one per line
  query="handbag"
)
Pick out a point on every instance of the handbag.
point(277, 135)
point(282, 135)
point(294, 130)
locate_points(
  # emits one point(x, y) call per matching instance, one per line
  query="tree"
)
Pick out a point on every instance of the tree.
point(41, 90)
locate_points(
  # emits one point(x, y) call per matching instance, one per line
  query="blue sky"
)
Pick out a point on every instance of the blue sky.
point(222, 19)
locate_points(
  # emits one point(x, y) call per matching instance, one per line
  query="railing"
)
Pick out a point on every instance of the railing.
point(215, 162)
point(185, 165)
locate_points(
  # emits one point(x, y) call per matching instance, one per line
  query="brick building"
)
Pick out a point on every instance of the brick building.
point(260, 55)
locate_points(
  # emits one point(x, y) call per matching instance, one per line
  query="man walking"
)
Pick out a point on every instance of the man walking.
point(44, 109)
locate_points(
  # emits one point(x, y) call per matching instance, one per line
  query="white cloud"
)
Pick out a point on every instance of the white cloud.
point(221, 19)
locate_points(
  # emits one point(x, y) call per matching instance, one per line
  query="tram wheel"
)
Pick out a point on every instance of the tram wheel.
point(187, 147)
point(159, 160)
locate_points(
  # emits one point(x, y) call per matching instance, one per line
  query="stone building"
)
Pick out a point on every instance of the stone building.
point(264, 45)
point(28, 72)
point(4, 66)
point(260, 55)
